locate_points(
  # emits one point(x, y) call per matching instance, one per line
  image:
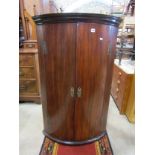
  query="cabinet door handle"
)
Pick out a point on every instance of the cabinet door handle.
point(72, 91)
point(79, 92)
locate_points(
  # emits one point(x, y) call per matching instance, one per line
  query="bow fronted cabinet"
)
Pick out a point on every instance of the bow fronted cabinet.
point(76, 56)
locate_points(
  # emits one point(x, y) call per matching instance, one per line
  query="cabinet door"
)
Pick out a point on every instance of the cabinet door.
point(91, 73)
point(60, 79)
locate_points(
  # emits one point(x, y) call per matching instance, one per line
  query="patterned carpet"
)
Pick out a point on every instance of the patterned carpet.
point(100, 147)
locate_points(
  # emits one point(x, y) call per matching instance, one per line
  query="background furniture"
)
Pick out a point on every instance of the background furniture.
point(48, 6)
point(122, 91)
point(29, 81)
point(130, 8)
point(26, 22)
point(76, 53)
point(125, 47)
point(122, 85)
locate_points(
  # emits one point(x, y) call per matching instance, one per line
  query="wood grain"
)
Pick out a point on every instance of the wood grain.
point(91, 77)
point(60, 77)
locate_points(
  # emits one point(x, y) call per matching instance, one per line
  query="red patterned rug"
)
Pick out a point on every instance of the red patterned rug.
point(100, 147)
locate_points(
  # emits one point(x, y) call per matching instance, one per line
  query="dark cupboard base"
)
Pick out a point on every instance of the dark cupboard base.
point(75, 142)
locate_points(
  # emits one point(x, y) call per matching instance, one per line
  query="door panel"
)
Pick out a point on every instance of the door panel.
point(60, 77)
point(91, 73)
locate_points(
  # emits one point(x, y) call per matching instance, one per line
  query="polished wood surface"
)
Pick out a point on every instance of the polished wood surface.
point(75, 55)
point(91, 58)
point(60, 78)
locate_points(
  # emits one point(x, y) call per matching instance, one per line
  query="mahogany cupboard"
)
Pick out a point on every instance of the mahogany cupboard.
point(76, 53)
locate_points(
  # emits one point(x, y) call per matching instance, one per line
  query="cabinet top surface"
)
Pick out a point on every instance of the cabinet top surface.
point(76, 17)
point(127, 66)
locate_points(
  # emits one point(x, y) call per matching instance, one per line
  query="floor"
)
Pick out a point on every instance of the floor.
point(120, 131)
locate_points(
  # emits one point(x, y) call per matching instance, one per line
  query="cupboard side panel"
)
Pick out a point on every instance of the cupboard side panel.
point(40, 37)
point(112, 32)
